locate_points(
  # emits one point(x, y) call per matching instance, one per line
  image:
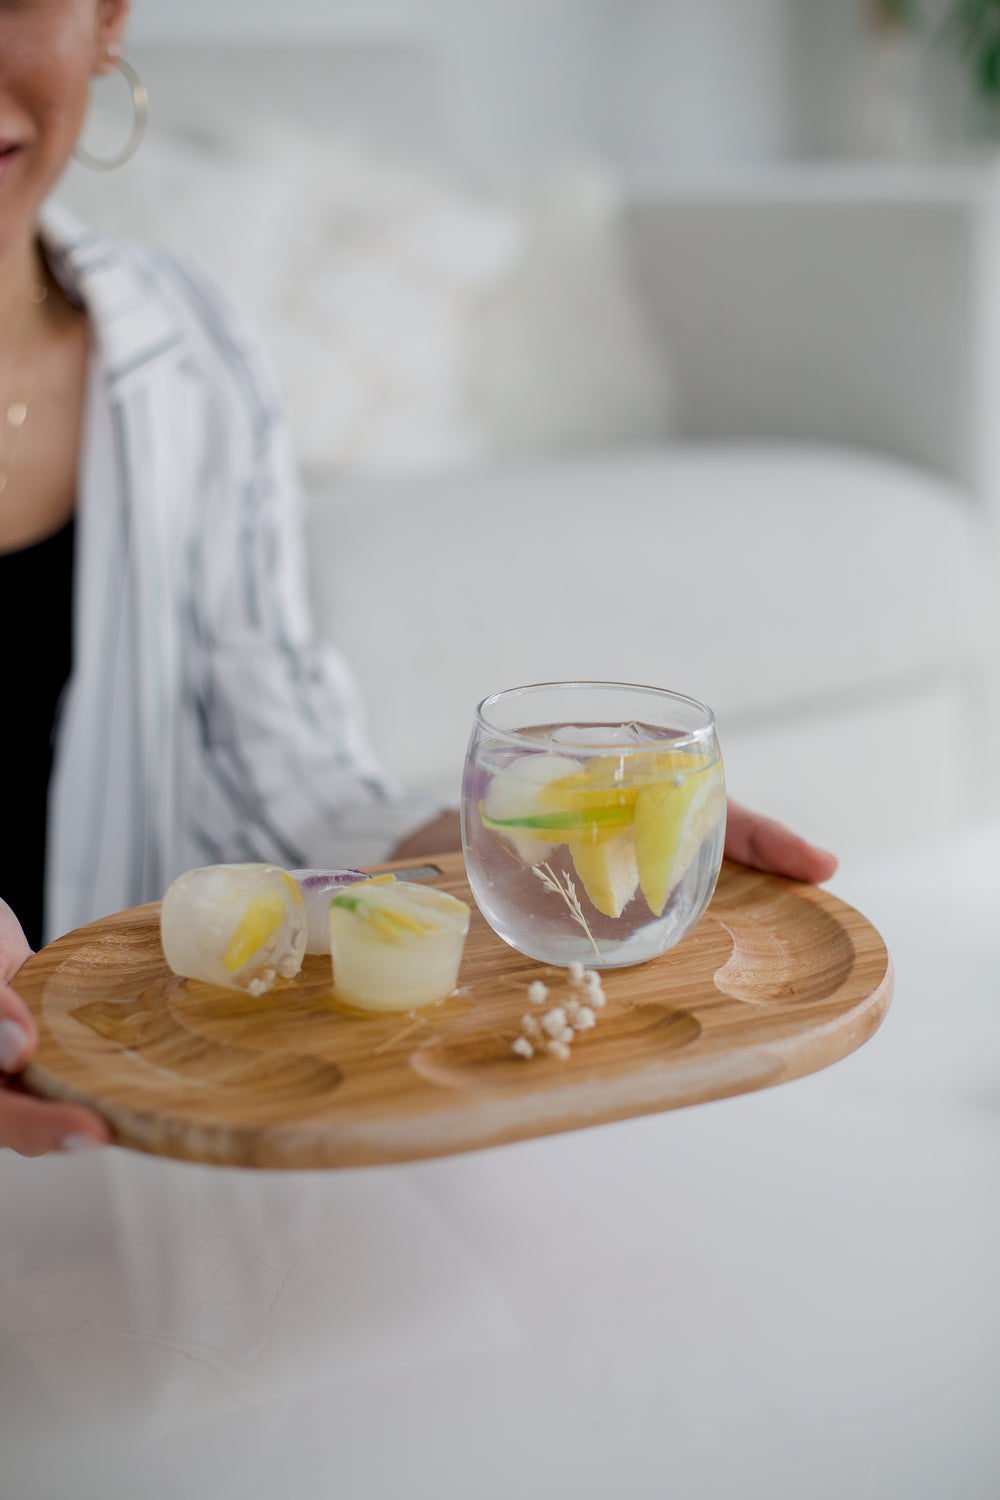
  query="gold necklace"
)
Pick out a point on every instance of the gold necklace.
point(16, 413)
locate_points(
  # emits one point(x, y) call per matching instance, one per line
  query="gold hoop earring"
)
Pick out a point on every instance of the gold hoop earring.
point(140, 116)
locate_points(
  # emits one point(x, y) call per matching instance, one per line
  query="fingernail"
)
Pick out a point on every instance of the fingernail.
point(77, 1141)
point(13, 1045)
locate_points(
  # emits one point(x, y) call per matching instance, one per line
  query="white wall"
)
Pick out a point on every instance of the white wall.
point(653, 84)
point(181, 21)
point(699, 84)
point(527, 79)
point(676, 86)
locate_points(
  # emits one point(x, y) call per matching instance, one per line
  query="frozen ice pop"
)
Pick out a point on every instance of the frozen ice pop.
point(396, 946)
point(238, 926)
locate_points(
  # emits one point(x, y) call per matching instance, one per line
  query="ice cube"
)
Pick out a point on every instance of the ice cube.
point(599, 735)
point(236, 926)
point(513, 794)
point(318, 887)
point(396, 946)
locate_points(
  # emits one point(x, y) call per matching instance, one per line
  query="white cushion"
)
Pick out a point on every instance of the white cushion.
point(416, 323)
point(559, 352)
point(357, 270)
point(766, 581)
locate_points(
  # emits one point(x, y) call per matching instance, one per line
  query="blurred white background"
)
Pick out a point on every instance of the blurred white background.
point(687, 82)
point(656, 340)
point(677, 85)
point(649, 339)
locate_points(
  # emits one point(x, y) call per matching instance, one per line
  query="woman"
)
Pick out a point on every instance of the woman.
point(145, 474)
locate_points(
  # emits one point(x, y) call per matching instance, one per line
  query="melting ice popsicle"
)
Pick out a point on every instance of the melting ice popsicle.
point(397, 945)
point(318, 887)
point(238, 926)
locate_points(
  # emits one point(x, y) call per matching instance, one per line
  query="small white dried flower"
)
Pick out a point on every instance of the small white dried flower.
point(566, 1035)
point(554, 1021)
point(530, 1027)
point(576, 974)
point(537, 992)
point(597, 999)
point(522, 1047)
point(572, 1010)
point(585, 1018)
point(561, 1050)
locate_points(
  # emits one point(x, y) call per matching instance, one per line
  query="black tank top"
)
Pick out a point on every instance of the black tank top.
point(36, 632)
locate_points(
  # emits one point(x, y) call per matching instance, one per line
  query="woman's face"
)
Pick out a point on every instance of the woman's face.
point(49, 51)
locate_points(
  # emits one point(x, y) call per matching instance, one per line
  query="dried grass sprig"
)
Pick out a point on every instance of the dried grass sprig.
point(550, 880)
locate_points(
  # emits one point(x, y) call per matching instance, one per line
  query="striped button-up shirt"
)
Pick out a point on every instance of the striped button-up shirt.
point(203, 720)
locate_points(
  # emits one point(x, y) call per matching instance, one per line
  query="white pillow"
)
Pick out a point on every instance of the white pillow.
point(357, 270)
point(200, 197)
point(415, 323)
point(558, 354)
point(367, 317)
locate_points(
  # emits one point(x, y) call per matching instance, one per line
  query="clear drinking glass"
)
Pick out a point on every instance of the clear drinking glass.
point(593, 819)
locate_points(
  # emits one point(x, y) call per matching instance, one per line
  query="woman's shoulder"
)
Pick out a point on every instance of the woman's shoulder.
point(142, 296)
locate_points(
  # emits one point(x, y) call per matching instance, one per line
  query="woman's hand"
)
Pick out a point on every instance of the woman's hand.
point(765, 845)
point(750, 840)
point(32, 1126)
point(441, 836)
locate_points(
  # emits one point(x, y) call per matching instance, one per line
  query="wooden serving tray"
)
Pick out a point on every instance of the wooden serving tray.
point(776, 981)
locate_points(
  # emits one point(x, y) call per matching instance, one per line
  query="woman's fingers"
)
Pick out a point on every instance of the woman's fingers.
point(764, 844)
point(14, 950)
point(442, 835)
point(18, 1032)
point(34, 1127)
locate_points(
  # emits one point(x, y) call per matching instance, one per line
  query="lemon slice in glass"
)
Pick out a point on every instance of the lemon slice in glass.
point(608, 872)
point(673, 818)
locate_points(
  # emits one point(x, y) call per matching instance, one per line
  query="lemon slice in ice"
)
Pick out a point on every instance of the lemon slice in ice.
point(260, 920)
point(396, 946)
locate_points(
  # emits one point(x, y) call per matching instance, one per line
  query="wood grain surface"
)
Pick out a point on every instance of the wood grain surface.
point(777, 980)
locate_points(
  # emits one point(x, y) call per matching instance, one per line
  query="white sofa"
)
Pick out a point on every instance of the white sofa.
point(809, 546)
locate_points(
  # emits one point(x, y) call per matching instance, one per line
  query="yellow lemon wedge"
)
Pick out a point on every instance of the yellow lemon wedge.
point(654, 766)
point(593, 808)
point(261, 920)
point(601, 785)
point(673, 817)
point(608, 872)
